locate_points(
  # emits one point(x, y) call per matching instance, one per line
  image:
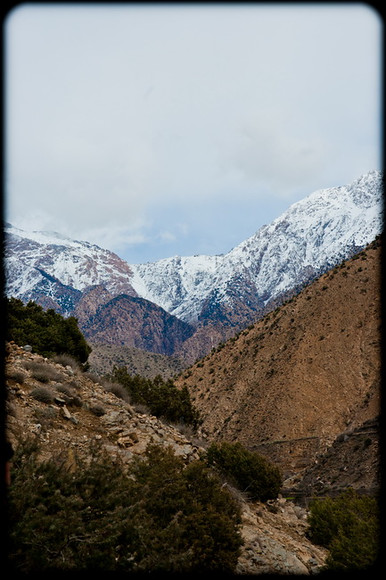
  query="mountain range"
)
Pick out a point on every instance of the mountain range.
point(187, 305)
point(300, 386)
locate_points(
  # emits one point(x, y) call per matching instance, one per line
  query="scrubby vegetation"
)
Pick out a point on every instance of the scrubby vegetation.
point(161, 397)
point(43, 394)
point(48, 332)
point(160, 516)
point(247, 470)
point(42, 372)
point(349, 527)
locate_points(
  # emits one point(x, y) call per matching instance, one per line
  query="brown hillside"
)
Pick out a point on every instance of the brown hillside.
point(104, 357)
point(353, 460)
point(136, 322)
point(304, 373)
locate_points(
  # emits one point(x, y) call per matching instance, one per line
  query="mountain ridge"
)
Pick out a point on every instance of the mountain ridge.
point(218, 295)
point(139, 323)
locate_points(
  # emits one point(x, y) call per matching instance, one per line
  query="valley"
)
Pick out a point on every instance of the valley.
point(278, 344)
point(82, 412)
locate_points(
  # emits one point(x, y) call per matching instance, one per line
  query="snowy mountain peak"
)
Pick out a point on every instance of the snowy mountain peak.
point(30, 255)
point(313, 234)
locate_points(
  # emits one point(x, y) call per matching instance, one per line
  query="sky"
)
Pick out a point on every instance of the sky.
point(156, 130)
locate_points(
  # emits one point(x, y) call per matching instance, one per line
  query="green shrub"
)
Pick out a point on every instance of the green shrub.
point(159, 517)
point(48, 332)
point(160, 396)
point(349, 527)
point(247, 470)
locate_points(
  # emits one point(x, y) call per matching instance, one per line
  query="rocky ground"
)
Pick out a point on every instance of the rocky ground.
point(66, 409)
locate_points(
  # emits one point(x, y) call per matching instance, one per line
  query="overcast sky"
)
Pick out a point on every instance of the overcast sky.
point(157, 130)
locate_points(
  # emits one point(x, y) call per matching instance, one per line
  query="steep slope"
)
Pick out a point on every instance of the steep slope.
point(311, 236)
point(104, 357)
point(291, 383)
point(83, 412)
point(353, 460)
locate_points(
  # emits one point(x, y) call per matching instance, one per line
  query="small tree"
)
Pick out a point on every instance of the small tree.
point(155, 515)
point(47, 332)
point(247, 470)
point(349, 527)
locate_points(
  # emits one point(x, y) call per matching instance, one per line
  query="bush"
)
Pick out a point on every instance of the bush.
point(42, 372)
point(98, 410)
point(15, 375)
point(247, 470)
point(48, 332)
point(67, 360)
point(117, 389)
point(67, 393)
point(160, 517)
point(43, 394)
point(348, 526)
point(161, 397)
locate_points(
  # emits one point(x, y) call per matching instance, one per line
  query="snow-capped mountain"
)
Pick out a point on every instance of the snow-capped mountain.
point(46, 263)
point(313, 234)
point(230, 290)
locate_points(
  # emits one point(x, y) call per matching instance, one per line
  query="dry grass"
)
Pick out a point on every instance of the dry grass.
point(67, 361)
point(117, 389)
point(43, 394)
point(42, 372)
point(16, 375)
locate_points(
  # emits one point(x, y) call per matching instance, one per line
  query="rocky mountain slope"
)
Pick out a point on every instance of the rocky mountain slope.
point(133, 321)
point(79, 410)
point(353, 460)
point(291, 383)
point(217, 295)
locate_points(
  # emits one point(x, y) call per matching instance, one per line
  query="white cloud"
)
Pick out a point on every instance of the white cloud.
point(117, 112)
point(268, 153)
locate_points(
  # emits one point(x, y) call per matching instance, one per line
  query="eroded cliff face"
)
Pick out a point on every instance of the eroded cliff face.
point(82, 410)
